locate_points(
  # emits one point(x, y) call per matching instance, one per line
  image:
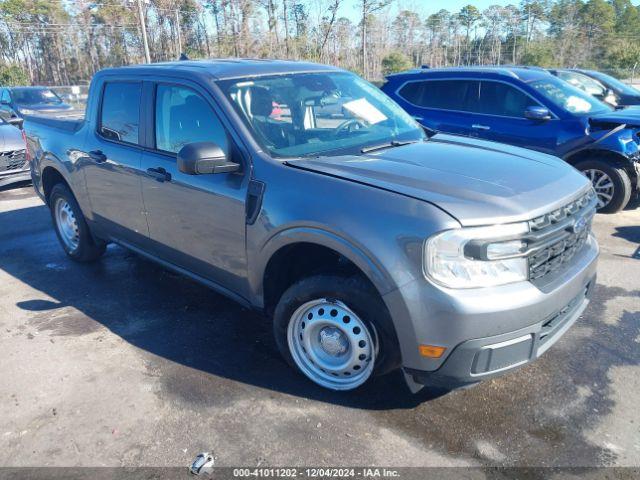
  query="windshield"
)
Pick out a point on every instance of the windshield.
point(615, 84)
point(312, 114)
point(588, 84)
point(568, 97)
point(35, 96)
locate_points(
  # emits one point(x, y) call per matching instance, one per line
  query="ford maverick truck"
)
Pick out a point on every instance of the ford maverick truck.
point(304, 192)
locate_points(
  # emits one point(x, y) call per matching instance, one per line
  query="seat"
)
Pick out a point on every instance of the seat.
point(261, 106)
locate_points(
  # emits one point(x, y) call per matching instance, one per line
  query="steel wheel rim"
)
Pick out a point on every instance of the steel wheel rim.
point(67, 224)
point(602, 184)
point(331, 345)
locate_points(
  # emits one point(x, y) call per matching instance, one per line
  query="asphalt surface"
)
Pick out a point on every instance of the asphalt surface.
point(124, 363)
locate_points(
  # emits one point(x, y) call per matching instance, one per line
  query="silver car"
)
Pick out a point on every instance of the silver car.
point(13, 161)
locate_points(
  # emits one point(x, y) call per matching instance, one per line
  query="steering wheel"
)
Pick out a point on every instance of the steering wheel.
point(348, 126)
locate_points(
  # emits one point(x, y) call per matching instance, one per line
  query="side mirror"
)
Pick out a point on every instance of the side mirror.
point(201, 158)
point(537, 113)
point(16, 121)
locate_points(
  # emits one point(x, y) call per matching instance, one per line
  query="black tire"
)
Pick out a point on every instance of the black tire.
point(621, 183)
point(355, 293)
point(87, 249)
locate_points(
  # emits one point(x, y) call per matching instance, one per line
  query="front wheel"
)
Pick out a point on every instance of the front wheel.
point(611, 183)
point(335, 331)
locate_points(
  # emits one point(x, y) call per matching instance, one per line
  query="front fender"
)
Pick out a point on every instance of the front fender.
point(318, 235)
point(618, 145)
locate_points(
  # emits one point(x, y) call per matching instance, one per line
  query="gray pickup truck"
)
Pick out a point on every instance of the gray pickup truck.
point(304, 192)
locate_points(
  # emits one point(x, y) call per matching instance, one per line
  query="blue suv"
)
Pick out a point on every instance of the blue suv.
point(529, 107)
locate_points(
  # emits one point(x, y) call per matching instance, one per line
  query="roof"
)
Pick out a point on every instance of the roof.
point(228, 68)
point(524, 73)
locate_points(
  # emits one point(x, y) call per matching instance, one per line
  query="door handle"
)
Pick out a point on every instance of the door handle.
point(160, 174)
point(480, 127)
point(97, 156)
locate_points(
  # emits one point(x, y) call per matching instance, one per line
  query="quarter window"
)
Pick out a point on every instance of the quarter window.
point(183, 116)
point(120, 117)
point(497, 98)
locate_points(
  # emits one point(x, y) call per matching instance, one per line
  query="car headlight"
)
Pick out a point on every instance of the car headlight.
point(477, 257)
point(26, 111)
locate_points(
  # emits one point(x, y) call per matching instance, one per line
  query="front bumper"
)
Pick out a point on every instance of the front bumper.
point(483, 358)
point(13, 176)
point(487, 331)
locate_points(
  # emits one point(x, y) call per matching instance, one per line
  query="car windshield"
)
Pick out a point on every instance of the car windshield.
point(568, 97)
point(615, 84)
point(313, 114)
point(35, 96)
point(588, 84)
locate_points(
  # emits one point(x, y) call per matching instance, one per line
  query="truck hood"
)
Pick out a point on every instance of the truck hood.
point(629, 116)
point(10, 138)
point(475, 181)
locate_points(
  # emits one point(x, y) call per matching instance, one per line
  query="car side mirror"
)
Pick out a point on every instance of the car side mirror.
point(16, 121)
point(537, 113)
point(201, 158)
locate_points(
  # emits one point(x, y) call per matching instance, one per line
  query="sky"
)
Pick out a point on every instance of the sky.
point(427, 7)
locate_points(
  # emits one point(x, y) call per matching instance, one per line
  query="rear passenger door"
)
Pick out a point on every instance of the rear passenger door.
point(500, 118)
point(111, 163)
point(441, 105)
point(196, 222)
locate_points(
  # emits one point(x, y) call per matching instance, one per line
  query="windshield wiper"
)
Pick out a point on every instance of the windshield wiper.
point(391, 144)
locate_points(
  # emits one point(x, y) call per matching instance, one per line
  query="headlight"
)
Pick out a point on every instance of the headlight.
point(26, 111)
point(477, 256)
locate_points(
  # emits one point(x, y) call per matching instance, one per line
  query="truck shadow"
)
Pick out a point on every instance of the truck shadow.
point(168, 316)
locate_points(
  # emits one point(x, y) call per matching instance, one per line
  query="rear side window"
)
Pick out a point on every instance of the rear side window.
point(498, 98)
point(120, 113)
point(183, 116)
point(461, 95)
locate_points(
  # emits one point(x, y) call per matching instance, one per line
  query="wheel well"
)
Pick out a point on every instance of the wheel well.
point(615, 158)
point(50, 177)
point(295, 262)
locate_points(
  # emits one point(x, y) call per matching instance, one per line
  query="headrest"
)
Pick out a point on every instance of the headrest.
point(261, 101)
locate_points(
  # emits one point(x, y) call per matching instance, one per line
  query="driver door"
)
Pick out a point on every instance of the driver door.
point(196, 222)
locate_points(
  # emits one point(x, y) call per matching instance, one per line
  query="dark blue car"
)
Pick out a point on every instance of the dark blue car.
point(530, 108)
point(16, 102)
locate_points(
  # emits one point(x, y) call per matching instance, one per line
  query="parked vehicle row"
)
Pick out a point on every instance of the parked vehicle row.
point(17, 102)
point(528, 107)
point(304, 192)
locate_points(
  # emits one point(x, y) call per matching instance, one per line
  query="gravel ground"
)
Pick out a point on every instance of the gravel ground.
point(122, 363)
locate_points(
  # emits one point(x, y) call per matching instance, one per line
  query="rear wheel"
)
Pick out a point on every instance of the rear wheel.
point(335, 331)
point(71, 226)
point(611, 183)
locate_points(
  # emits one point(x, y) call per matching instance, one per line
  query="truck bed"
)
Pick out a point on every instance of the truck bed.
point(71, 122)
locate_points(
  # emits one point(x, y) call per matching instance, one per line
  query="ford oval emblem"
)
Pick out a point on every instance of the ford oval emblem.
point(580, 225)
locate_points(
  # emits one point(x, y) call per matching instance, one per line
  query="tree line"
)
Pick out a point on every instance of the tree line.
point(59, 42)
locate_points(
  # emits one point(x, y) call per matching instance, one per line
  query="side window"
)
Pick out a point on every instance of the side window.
point(412, 92)
point(498, 98)
point(461, 95)
point(183, 116)
point(120, 114)
point(5, 96)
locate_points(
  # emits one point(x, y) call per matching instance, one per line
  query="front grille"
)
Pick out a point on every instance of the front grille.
point(556, 237)
point(12, 160)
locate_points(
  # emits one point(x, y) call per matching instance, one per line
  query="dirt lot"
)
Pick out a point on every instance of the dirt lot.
point(124, 363)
